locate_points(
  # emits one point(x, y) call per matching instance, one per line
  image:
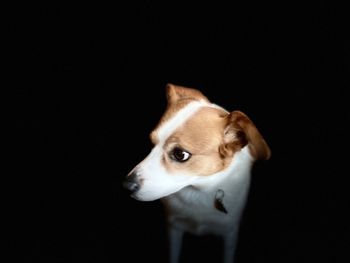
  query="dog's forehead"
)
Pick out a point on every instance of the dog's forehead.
point(202, 132)
point(177, 115)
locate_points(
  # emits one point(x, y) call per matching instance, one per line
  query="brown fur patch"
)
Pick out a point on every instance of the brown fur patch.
point(178, 97)
point(202, 136)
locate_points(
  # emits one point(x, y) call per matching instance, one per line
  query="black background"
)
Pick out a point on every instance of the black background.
point(89, 83)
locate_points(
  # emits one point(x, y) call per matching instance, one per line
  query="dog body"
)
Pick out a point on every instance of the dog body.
point(192, 209)
point(199, 167)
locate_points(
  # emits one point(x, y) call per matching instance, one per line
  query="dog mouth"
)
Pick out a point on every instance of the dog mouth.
point(135, 196)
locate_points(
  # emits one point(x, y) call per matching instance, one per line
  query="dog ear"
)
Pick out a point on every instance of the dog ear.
point(175, 93)
point(240, 131)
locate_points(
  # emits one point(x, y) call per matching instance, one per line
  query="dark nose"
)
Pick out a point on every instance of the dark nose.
point(131, 183)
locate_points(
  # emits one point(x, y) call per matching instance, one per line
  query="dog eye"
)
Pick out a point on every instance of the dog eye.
point(180, 155)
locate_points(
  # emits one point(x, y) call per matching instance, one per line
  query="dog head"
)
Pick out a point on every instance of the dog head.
point(194, 139)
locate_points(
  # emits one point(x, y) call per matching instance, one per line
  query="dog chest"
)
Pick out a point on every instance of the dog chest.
point(194, 211)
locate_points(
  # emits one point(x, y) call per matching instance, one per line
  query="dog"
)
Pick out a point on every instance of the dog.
point(200, 168)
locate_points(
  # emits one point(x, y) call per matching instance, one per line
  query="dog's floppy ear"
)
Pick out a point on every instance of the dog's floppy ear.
point(175, 93)
point(240, 131)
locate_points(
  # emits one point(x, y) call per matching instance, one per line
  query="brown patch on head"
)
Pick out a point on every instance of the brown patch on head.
point(212, 136)
point(202, 136)
point(178, 97)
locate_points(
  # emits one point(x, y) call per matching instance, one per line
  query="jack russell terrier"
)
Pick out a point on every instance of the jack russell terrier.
point(199, 167)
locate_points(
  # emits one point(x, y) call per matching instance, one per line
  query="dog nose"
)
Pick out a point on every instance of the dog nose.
point(131, 183)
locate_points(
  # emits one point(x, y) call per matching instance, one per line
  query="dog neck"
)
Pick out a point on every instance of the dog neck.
point(239, 169)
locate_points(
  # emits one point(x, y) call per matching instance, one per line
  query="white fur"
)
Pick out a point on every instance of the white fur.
point(156, 183)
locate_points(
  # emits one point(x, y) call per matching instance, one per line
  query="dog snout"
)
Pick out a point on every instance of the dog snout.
point(131, 183)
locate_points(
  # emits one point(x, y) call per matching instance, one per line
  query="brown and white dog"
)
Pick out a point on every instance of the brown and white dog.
point(199, 167)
